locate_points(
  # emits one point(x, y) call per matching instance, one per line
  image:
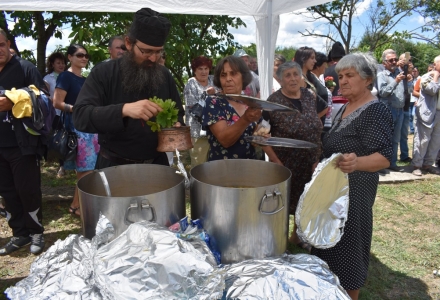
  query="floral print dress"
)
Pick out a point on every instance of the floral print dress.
point(218, 109)
point(302, 125)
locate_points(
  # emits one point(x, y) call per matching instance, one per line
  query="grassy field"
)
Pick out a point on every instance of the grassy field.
point(405, 249)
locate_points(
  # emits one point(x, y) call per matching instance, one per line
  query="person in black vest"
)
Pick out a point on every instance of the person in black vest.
point(20, 155)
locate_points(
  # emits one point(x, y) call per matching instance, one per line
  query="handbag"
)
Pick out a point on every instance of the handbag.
point(64, 142)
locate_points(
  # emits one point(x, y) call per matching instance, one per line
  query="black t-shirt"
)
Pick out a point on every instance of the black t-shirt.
point(16, 74)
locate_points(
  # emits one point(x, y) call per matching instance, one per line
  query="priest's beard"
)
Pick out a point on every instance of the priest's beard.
point(138, 77)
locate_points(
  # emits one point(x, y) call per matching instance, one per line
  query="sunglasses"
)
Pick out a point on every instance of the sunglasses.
point(82, 55)
point(391, 60)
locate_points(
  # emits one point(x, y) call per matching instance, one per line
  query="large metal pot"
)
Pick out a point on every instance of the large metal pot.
point(130, 193)
point(243, 205)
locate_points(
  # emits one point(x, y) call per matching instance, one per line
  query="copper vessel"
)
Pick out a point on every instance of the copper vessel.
point(170, 139)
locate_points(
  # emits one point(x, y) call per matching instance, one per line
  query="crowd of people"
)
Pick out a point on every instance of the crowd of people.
point(107, 110)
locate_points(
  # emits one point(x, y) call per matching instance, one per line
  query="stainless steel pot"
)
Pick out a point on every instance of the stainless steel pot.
point(243, 205)
point(129, 193)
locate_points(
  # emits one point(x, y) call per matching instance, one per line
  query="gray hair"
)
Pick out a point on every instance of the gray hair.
point(363, 63)
point(386, 52)
point(286, 66)
point(436, 59)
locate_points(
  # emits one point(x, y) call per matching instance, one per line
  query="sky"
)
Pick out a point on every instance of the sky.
point(288, 35)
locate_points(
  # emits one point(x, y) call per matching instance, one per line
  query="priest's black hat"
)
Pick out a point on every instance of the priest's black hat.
point(150, 27)
point(337, 51)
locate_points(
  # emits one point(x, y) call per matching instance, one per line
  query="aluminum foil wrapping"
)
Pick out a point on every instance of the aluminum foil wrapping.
point(300, 276)
point(147, 261)
point(323, 206)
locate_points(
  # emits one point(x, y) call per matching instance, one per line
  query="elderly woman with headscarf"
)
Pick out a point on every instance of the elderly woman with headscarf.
point(362, 131)
point(302, 123)
point(228, 122)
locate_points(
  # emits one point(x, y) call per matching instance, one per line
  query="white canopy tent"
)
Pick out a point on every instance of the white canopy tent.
point(265, 12)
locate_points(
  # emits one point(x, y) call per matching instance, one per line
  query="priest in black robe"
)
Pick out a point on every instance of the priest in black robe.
point(114, 99)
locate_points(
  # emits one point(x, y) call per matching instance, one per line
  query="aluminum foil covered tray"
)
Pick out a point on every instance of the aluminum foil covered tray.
point(299, 276)
point(147, 261)
point(323, 206)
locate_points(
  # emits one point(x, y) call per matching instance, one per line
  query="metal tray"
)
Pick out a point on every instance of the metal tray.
point(257, 103)
point(279, 142)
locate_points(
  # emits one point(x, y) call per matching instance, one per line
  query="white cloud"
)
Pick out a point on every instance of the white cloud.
point(288, 35)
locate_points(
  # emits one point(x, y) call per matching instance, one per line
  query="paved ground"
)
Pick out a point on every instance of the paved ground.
point(394, 177)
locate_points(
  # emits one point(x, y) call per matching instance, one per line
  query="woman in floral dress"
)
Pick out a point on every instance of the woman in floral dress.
point(227, 122)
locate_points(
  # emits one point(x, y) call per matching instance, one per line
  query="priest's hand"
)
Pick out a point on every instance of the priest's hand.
point(5, 104)
point(142, 109)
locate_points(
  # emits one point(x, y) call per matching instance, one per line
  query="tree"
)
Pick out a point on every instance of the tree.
point(287, 52)
point(430, 10)
point(190, 35)
point(194, 35)
point(93, 30)
point(339, 14)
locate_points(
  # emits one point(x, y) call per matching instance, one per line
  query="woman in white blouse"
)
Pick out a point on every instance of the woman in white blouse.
point(195, 92)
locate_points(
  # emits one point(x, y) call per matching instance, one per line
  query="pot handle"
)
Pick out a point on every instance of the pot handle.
point(267, 195)
point(146, 205)
point(139, 205)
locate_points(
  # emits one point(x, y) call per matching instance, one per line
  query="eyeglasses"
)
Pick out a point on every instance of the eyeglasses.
point(82, 55)
point(149, 52)
point(391, 60)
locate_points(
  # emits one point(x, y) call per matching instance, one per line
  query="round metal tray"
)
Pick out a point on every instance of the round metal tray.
point(279, 142)
point(257, 103)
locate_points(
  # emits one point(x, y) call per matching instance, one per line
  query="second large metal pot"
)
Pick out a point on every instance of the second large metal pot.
point(130, 193)
point(243, 204)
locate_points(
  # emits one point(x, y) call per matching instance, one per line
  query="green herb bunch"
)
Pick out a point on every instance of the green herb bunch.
point(167, 117)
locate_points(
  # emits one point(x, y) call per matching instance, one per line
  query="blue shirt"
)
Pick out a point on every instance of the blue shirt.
point(389, 91)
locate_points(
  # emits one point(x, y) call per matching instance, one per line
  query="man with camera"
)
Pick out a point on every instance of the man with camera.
point(391, 91)
point(20, 155)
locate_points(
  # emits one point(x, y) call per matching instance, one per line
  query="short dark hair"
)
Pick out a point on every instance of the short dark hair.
point(237, 64)
point(321, 58)
point(201, 61)
point(51, 60)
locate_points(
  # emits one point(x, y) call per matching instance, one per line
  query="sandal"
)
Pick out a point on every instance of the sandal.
point(73, 211)
point(431, 170)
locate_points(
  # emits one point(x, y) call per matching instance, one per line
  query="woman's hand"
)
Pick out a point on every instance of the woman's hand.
point(210, 90)
point(252, 115)
point(348, 163)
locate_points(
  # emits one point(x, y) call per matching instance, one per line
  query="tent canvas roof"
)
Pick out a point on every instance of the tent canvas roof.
point(265, 12)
